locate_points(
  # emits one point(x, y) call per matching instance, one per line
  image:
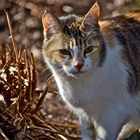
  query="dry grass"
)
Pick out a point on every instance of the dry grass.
point(20, 101)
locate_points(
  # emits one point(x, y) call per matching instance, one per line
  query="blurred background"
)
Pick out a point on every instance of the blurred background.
point(26, 18)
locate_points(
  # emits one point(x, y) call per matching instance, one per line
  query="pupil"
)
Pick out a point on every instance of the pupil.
point(89, 49)
point(65, 52)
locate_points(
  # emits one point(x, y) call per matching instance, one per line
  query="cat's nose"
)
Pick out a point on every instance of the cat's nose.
point(78, 66)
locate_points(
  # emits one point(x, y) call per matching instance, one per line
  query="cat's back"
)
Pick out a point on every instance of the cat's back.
point(121, 24)
point(126, 30)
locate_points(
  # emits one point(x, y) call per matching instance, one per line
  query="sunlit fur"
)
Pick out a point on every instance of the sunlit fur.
point(104, 93)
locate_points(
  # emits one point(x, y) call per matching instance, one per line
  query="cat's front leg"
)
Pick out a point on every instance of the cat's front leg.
point(129, 129)
point(109, 125)
point(126, 132)
point(86, 126)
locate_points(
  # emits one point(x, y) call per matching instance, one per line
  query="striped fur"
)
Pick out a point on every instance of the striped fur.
point(96, 65)
point(128, 34)
point(72, 30)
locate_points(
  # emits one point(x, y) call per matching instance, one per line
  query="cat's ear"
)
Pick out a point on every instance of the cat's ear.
point(51, 25)
point(91, 18)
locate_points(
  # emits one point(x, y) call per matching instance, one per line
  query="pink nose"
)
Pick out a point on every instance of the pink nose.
point(78, 66)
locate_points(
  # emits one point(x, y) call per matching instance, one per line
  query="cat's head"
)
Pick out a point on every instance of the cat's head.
point(73, 43)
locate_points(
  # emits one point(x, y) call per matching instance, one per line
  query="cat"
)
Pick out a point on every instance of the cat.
point(96, 66)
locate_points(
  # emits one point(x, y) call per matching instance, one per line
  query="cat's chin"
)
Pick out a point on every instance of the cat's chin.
point(75, 74)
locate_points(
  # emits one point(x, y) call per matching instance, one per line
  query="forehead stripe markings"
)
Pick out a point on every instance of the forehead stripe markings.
point(77, 39)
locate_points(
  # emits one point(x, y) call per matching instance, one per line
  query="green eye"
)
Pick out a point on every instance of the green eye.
point(88, 50)
point(64, 52)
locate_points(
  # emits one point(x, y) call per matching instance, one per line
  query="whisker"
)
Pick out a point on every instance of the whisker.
point(73, 76)
point(61, 71)
point(47, 78)
point(45, 70)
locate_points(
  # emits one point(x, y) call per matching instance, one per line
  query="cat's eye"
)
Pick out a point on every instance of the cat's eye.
point(65, 52)
point(88, 50)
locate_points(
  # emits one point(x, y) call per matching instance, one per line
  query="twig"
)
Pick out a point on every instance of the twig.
point(30, 137)
point(19, 53)
point(33, 74)
point(27, 67)
point(45, 91)
point(9, 86)
point(1, 56)
point(52, 128)
point(12, 36)
point(8, 55)
point(54, 131)
point(64, 125)
point(3, 135)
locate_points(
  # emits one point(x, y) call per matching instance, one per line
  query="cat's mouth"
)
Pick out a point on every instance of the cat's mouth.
point(75, 73)
point(79, 72)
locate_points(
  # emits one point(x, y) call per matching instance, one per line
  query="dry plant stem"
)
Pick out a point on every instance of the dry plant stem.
point(25, 108)
point(8, 55)
point(10, 116)
point(3, 135)
point(19, 53)
point(9, 86)
point(50, 82)
point(45, 91)
point(64, 125)
point(12, 36)
point(46, 129)
point(33, 74)
point(1, 56)
point(27, 65)
point(50, 128)
point(38, 91)
point(43, 133)
point(30, 137)
point(53, 131)
point(20, 86)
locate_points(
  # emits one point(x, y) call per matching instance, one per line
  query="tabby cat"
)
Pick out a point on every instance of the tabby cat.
point(96, 65)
